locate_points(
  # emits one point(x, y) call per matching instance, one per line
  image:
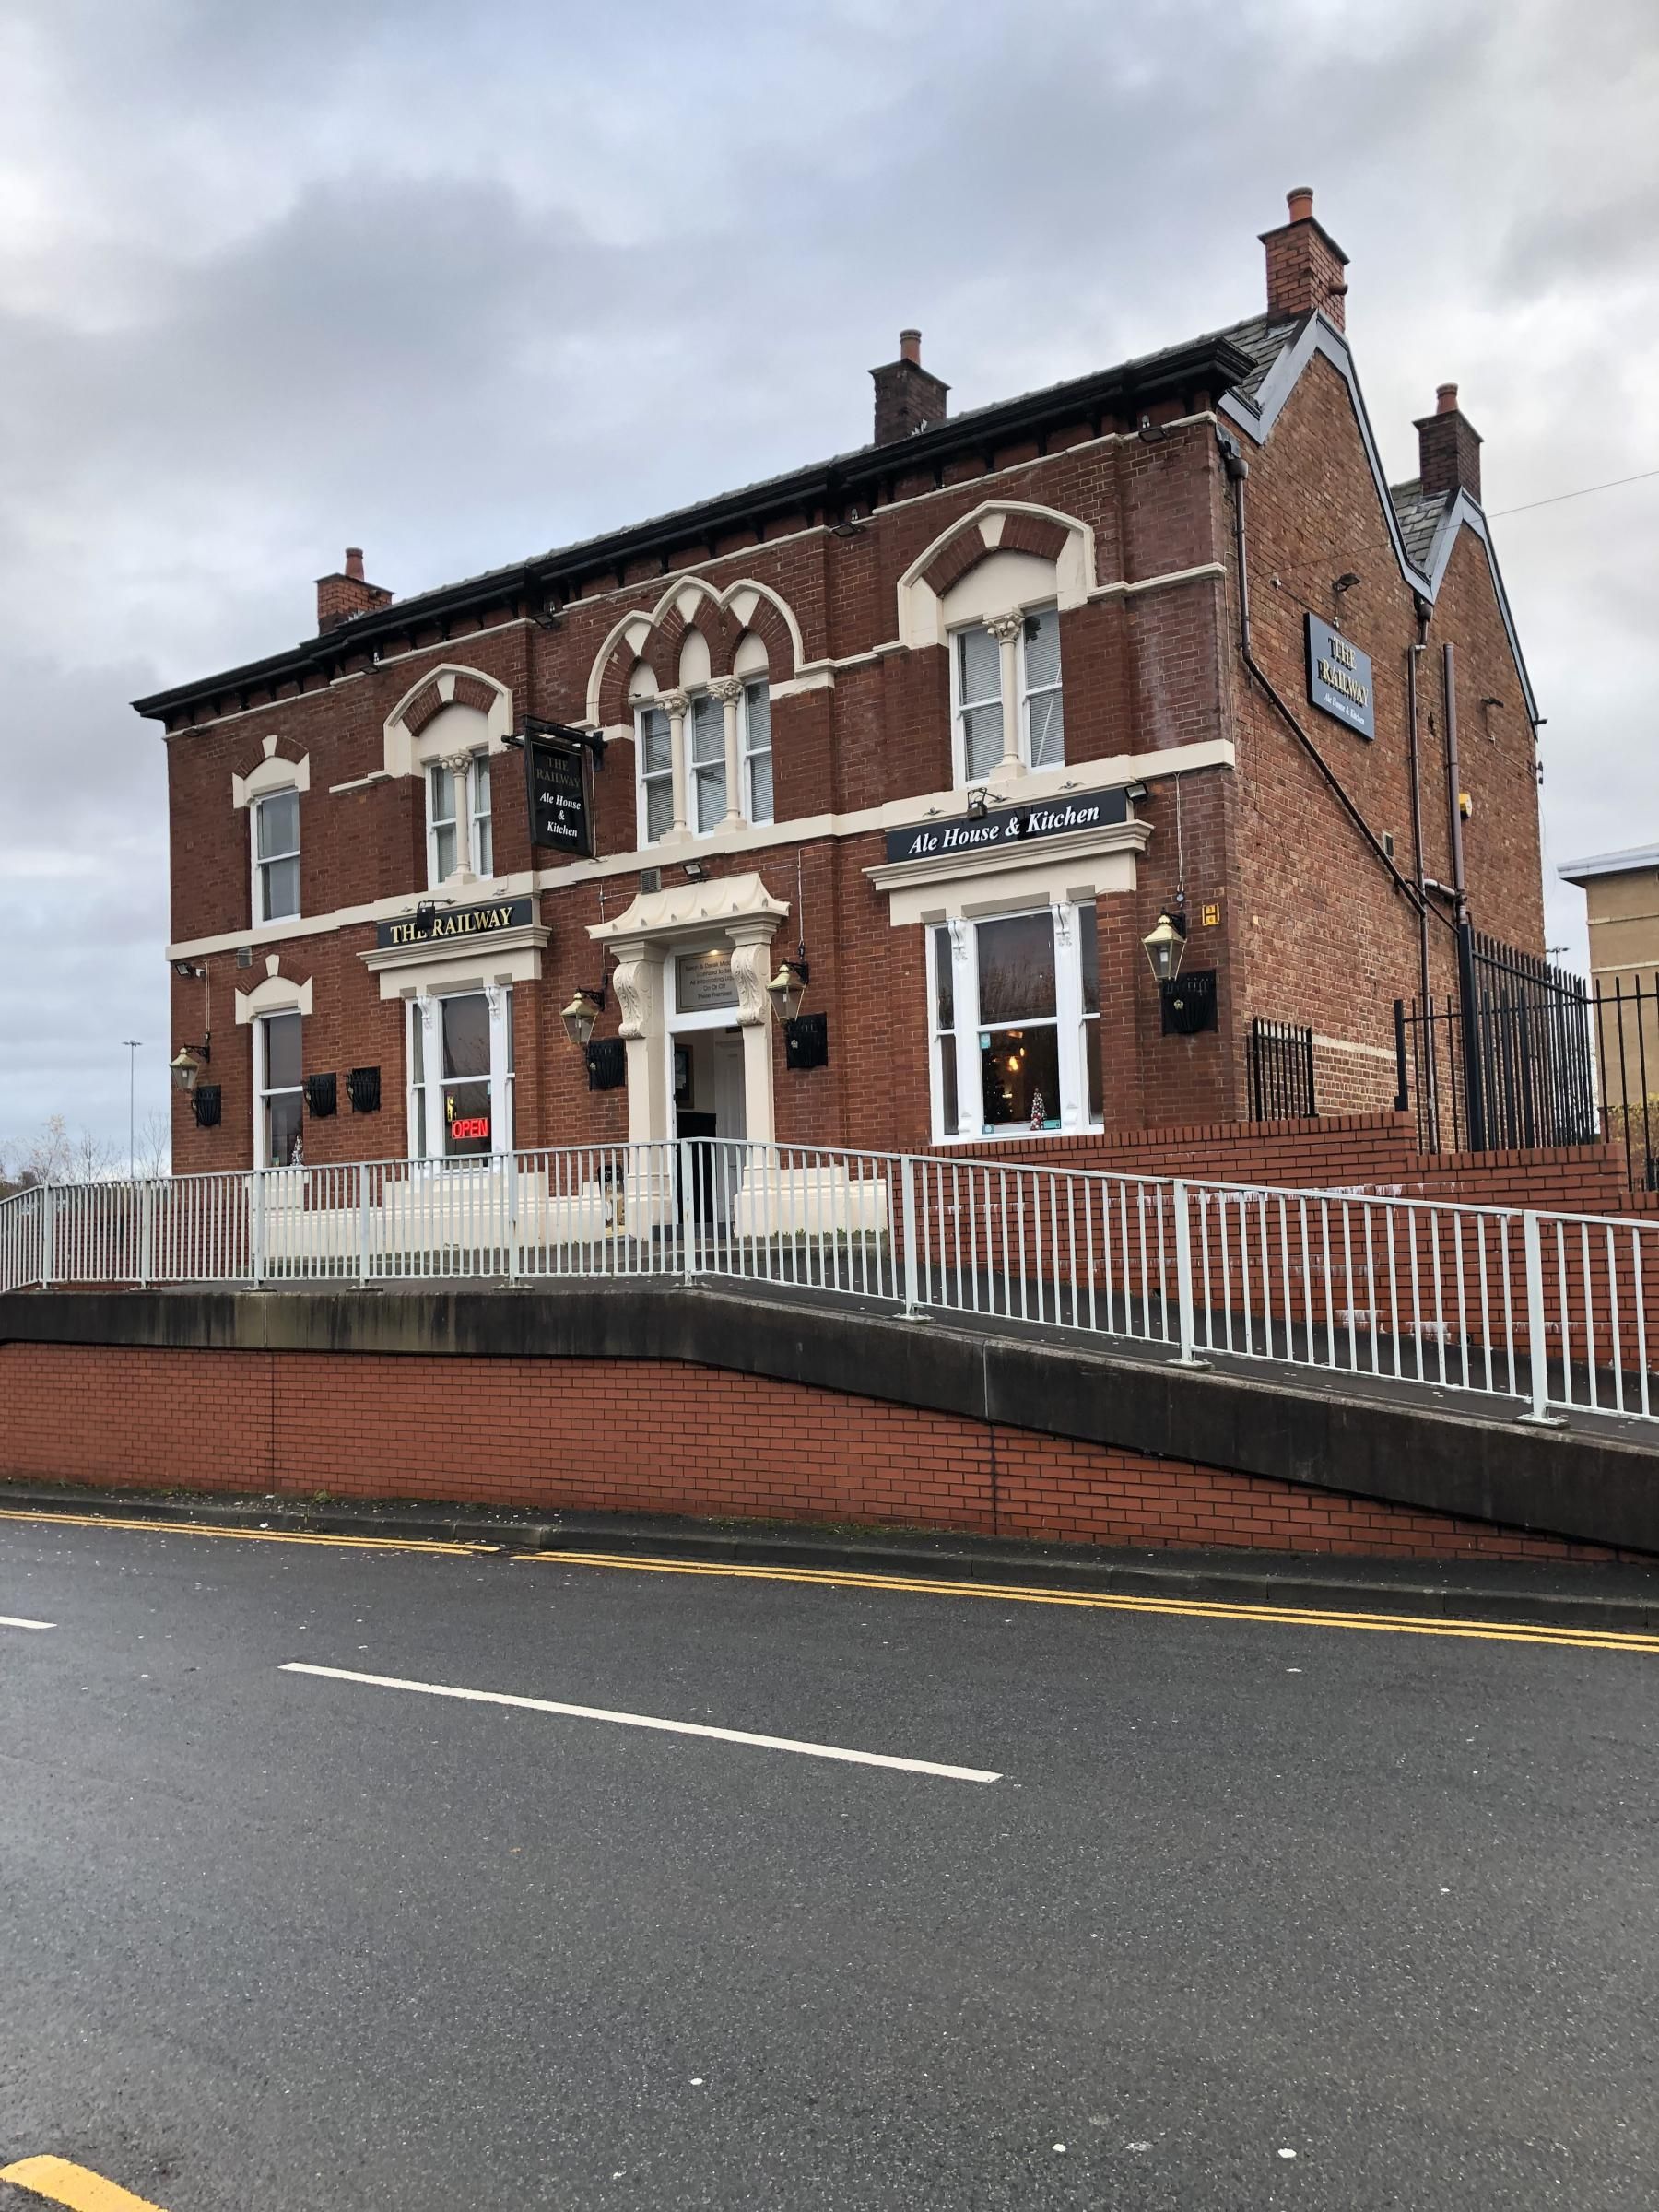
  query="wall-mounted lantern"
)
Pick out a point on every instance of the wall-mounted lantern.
point(788, 988)
point(581, 1015)
point(1163, 945)
point(188, 1062)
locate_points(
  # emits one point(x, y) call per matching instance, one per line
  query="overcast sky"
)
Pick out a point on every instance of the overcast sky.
point(460, 282)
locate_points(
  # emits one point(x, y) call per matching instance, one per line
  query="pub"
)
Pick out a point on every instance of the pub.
point(988, 784)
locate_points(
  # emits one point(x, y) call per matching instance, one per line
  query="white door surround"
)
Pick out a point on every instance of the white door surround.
point(736, 913)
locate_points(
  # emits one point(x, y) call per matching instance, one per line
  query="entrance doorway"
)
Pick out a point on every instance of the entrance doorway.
point(707, 1102)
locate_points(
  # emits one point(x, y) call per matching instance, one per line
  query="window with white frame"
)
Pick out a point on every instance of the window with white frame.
point(279, 1088)
point(706, 723)
point(757, 752)
point(654, 745)
point(460, 1061)
point(977, 670)
point(1015, 1024)
point(275, 821)
point(458, 800)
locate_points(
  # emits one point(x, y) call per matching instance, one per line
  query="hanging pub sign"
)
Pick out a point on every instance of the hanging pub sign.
point(1339, 678)
point(434, 924)
point(559, 774)
point(1007, 826)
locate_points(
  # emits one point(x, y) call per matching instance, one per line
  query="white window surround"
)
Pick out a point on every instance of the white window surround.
point(273, 774)
point(285, 1098)
point(407, 752)
point(706, 787)
point(1069, 1024)
point(739, 599)
point(275, 857)
point(1009, 649)
point(469, 821)
point(278, 994)
point(1002, 579)
point(426, 1083)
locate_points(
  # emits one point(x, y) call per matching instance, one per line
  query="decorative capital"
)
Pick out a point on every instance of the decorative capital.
point(727, 688)
point(456, 763)
point(749, 963)
point(1005, 629)
point(671, 702)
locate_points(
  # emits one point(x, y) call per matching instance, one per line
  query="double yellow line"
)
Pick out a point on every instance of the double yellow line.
point(252, 1535)
point(1407, 1624)
point(1186, 1608)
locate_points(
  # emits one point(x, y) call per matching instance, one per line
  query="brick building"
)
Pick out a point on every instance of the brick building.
point(951, 720)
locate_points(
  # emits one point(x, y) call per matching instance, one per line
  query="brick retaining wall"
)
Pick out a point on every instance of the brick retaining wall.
point(651, 1437)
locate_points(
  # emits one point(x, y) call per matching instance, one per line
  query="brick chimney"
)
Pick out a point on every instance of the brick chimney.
point(345, 593)
point(1305, 263)
point(1449, 447)
point(908, 397)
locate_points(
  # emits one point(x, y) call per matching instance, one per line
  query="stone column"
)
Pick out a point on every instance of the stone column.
point(675, 704)
point(1006, 629)
point(751, 963)
point(459, 766)
point(729, 691)
point(638, 978)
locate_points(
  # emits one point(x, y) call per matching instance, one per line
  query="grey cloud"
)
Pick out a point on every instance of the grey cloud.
point(458, 285)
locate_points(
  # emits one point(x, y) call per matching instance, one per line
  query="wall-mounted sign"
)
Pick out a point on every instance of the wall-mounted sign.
point(434, 924)
point(1339, 678)
point(559, 778)
point(704, 983)
point(1007, 826)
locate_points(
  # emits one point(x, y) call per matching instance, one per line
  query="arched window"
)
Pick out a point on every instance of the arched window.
point(749, 664)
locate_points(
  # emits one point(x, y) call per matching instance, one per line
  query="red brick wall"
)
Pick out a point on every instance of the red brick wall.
point(676, 1440)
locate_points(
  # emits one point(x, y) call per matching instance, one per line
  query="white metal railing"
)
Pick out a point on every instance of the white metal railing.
point(1557, 1312)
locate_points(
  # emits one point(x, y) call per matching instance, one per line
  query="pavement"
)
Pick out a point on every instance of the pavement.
point(736, 1884)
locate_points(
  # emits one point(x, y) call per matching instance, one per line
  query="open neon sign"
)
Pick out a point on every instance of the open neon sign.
point(476, 1126)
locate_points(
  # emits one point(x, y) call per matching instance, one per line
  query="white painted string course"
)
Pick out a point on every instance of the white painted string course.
point(1556, 1313)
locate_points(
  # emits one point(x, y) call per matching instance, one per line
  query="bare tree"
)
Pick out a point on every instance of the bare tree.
point(58, 1154)
point(154, 1156)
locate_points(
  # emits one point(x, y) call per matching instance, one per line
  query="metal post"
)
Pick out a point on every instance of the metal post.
point(1403, 1087)
point(256, 1226)
point(689, 1254)
point(913, 1286)
point(512, 1218)
point(363, 1223)
point(1474, 1072)
point(48, 1212)
point(147, 1234)
point(1537, 1354)
point(1187, 1355)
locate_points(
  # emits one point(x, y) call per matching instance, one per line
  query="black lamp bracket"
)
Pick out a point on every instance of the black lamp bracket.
point(537, 726)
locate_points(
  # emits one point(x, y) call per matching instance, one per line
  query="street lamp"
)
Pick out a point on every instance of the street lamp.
point(1163, 945)
point(132, 1045)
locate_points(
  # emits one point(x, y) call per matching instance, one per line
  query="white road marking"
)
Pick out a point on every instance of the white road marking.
point(643, 1720)
point(11, 1620)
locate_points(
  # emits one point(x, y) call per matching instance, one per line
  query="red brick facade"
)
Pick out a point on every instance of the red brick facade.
point(679, 1440)
point(1286, 903)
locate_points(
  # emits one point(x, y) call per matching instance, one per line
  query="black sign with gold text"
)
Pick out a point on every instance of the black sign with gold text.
point(436, 925)
point(561, 781)
point(1007, 826)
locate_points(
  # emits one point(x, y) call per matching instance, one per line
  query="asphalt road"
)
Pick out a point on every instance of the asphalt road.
point(1243, 1889)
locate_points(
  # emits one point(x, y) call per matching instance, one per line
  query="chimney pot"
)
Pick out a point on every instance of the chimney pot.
point(1445, 400)
point(1300, 201)
point(354, 564)
point(909, 346)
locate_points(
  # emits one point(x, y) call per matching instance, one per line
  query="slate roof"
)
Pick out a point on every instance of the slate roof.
point(1264, 337)
point(1418, 514)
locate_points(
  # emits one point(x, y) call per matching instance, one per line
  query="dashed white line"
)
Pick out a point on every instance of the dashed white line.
point(12, 1620)
point(644, 1720)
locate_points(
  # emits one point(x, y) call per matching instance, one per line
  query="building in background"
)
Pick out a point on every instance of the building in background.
point(945, 735)
point(1621, 898)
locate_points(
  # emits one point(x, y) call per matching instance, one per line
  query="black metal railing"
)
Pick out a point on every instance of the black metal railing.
point(1627, 1062)
point(1529, 1056)
point(1281, 1072)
